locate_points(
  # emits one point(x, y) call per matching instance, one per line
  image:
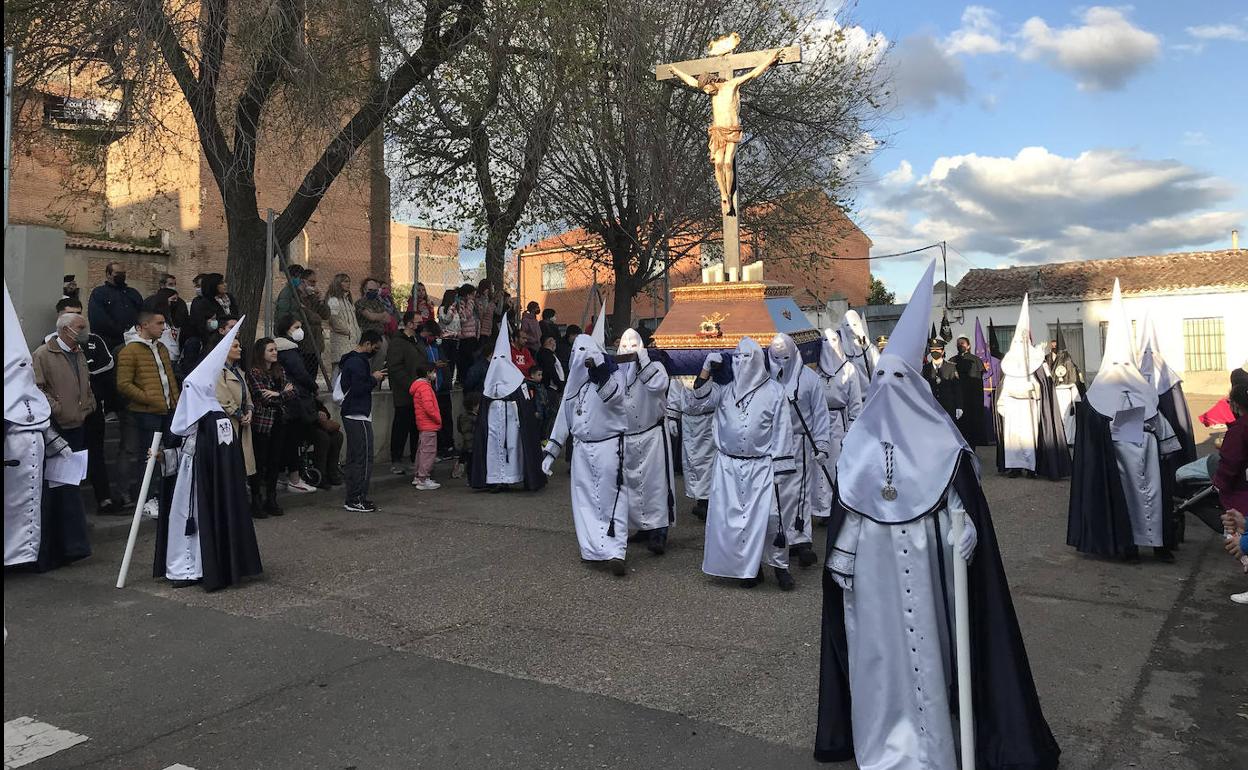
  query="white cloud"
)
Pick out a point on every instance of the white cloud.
point(900, 176)
point(824, 35)
point(979, 34)
point(1041, 206)
point(1103, 53)
point(1219, 32)
point(924, 73)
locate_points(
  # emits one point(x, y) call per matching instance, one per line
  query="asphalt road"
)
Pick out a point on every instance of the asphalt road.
point(457, 629)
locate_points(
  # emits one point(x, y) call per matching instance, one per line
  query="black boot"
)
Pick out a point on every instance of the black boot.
point(755, 581)
point(257, 509)
point(618, 567)
point(1013, 473)
point(785, 578)
point(699, 509)
point(1132, 555)
point(1163, 555)
point(658, 541)
point(805, 554)
point(270, 498)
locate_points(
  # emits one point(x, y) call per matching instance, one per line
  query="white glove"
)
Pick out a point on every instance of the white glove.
point(594, 360)
point(713, 358)
point(966, 546)
point(957, 414)
point(643, 358)
point(548, 465)
point(673, 428)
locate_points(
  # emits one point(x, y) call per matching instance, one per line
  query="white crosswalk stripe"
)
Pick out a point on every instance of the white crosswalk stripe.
point(26, 741)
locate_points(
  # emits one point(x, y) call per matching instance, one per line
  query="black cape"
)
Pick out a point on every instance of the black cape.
point(1052, 452)
point(1010, 729)
point(971, 398)
point(530, 443)
point(1173, 406)
point(1098, 522)
point(63, 534)
point(221, 510)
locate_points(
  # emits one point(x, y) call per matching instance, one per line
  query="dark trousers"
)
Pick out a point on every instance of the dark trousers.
point(270, 459)
point(359, 467)
point(467, 351)
point(141, 426)
point(97, 469)
point(402, 431)
point(446, 436)
point(295, 435)
point(328, 451)
point(450, 349)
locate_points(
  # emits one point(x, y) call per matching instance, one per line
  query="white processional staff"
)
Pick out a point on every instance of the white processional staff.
point(962, 644)
point(138, 509)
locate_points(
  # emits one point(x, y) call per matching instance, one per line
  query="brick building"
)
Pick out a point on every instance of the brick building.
point(75, 169)
point(558, 273)
point(424, 254)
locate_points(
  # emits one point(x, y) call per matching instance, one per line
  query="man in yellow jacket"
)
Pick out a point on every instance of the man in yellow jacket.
point(146, 380)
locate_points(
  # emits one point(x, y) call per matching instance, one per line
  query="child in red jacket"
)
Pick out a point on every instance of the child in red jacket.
point(428, 423)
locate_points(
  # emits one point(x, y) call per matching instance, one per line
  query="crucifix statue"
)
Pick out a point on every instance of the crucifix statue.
point(716, 76)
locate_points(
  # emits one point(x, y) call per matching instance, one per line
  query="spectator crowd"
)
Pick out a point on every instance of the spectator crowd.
point(122, 357)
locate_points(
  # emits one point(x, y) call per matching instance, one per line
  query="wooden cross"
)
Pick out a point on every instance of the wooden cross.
point(725, 67)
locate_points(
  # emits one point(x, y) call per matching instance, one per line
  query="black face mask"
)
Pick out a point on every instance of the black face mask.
point(119, 279)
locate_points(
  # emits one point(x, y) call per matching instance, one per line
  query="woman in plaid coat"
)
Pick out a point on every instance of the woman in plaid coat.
point(270, 392)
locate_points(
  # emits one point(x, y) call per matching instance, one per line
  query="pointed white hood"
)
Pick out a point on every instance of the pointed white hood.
point(503, 376)
point(599, 332)
point(199, 389)
point(1119, 384)
point(855, 338)
point(831, 359)
point(749, 368)
point(24, 403)
point(1022, 358)
point(924, 446)
point(630, 342)
point(1152, 363)
point(786, 362)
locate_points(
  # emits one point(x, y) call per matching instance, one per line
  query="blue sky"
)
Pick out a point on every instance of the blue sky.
point(1039, 132)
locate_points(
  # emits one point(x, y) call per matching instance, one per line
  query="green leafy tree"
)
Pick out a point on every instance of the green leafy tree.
point(879, 294)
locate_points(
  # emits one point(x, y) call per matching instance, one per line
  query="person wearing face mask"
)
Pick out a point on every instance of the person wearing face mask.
point(844, 400)
point(61, 372)
point(208, 310)
point(372, 314)
point(114, 306)
point(942, 377)
point(856, 346)
point(1032, 435)
point(753, 434)
point(507, 442)
point(301, 411)
point(887, 690)
point(811, 448)
point(301, 299)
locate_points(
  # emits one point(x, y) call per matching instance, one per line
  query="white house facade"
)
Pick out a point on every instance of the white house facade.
point(1198, 302)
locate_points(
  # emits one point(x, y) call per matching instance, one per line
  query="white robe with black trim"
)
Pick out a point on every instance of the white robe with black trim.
point(648, 475)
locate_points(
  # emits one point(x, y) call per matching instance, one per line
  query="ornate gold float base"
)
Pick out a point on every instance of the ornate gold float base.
point(715, 316)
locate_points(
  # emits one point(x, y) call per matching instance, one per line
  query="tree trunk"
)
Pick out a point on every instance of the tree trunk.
point(621, 306)
point(496, 255)
point(245, 269)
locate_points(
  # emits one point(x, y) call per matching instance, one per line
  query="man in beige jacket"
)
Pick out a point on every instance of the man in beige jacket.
point(60, 368)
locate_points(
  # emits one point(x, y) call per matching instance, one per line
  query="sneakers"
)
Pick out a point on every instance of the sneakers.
point(151, 509)
point(360, 506)
point(398, 470)
point(300, 487)
point(1240, 598)
point(426, 485)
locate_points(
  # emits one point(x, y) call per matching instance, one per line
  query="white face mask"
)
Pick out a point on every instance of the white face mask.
point(297, 335)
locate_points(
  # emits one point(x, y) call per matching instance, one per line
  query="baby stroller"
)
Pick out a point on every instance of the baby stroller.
point(1195, 493)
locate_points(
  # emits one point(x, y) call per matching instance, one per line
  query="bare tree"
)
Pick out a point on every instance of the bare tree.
point(472, 144)
point(628, 161)
point(287, 72)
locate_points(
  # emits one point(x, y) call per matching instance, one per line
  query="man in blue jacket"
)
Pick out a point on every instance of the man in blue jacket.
point(114, 307)
point(358, 381)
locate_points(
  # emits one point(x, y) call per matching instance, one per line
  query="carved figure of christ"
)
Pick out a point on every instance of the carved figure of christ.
point(725, 129)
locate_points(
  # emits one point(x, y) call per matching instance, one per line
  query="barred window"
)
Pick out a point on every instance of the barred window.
point(554, 276)
point(1204, 345)
point(1105, 332)
point(1002, 336)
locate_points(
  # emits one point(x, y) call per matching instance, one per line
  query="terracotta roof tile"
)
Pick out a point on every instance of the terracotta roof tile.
point(97, 244)
point(1183, 272)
